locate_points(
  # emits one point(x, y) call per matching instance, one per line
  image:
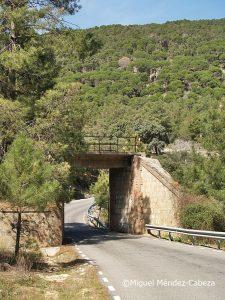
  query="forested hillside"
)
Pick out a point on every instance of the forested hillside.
point(174, 76)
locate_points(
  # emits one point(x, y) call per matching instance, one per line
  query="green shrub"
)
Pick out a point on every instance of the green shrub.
point(208, 215)
point(198, 174)
point(101, 190)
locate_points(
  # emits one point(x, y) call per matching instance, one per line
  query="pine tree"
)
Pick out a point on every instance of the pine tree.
point(27, 67)
point(27, 180)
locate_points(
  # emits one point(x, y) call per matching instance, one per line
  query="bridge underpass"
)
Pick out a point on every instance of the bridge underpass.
point(140, 190)
point(119, 166)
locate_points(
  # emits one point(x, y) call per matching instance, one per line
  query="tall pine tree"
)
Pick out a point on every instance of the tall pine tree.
point(27, 66)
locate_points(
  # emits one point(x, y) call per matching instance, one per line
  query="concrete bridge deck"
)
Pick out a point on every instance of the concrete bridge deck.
point(104, 160)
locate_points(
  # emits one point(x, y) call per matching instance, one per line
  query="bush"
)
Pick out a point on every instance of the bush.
point(198, 174)
point(207, 215)
point(101, 190)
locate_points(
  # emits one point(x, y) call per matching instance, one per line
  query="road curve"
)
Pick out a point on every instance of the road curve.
point(148, 268)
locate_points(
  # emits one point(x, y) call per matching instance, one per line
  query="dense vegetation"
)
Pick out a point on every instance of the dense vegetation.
point(175, 77)
point(158, 82)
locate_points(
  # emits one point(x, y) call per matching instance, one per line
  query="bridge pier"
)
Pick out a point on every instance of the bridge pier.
point(119, 180)
point(127, 209)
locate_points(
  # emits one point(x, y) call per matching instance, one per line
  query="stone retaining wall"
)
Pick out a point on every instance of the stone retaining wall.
point(43, 229)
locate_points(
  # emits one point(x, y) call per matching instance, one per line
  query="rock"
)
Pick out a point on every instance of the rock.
point(135, 70)
point(50, 251)
point(5, 267)
point(56, 278)
point(124, 62)
point(180, 145)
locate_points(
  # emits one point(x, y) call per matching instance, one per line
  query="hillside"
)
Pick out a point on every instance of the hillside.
point(172, 74)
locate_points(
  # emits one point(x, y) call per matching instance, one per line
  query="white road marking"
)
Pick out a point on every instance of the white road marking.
point(111, 288)
point(116, 298)
point(105, 279)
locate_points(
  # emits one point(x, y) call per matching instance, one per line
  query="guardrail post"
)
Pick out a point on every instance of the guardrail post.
point(99, 145)
point(170, 236)
point(135, 144)
point(218, 244)
point(159, 234)
point(192, 240)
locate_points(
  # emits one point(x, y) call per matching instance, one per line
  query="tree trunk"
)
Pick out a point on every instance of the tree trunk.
point(13, 35)
point(18, 233)
point(12, 73)
point(63, 221)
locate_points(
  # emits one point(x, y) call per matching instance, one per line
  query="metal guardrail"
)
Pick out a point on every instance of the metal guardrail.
point(95, 221)
point(104, 144)
point(217, 235)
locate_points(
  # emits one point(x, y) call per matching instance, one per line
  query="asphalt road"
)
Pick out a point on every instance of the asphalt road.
point(142, 267)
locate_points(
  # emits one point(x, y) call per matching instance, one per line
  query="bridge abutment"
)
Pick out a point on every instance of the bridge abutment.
point(142, 193)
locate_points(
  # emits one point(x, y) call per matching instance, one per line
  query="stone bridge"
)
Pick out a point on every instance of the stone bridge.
point(141, 191)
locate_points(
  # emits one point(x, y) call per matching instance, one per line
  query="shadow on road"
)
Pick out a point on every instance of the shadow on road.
point(84, 234)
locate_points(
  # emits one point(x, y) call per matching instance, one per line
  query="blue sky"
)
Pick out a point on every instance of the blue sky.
point(104, 12)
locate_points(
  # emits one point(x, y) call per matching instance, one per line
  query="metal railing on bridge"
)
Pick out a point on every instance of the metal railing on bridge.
point(104, 144)
point(217, 235)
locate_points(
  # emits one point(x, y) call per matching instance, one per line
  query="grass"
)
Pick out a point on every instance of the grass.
point(43, 282)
